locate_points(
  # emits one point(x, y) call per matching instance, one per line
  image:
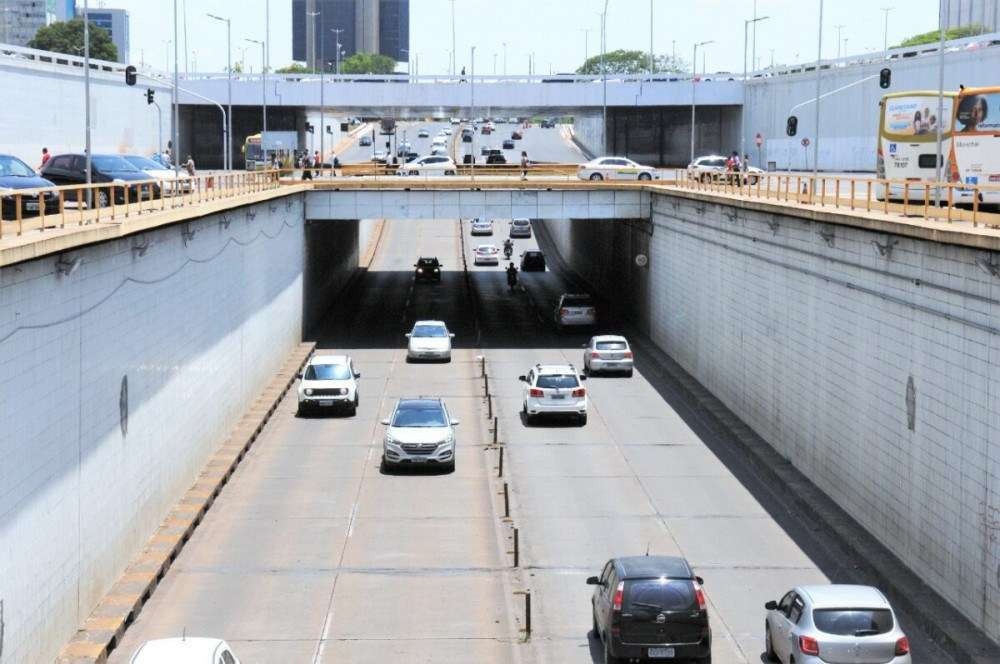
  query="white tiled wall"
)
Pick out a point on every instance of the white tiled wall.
point(196, 328)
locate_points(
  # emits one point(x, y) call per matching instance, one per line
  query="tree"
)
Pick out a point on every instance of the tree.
point(934, 36)
point(67, 37)
point(294, 68)
point(630, 62)
point(368, 63)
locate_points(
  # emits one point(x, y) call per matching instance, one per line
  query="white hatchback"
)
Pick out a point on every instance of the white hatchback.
point(430, 165)
point(606, 353)
point(184, 650)
point(575, 310)
point(616, 168)
point(429, 340)
point(487, 254)
point(554, 389)
point(329, 382)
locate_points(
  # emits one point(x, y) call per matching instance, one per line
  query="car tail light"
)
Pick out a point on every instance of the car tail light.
point(616, 603)
point(535, 392)
point(564, 312)
point(580, 392)
point(594, 353)
point(699, 594)
point(903, 646)
point(808, 645)
point(628, 354)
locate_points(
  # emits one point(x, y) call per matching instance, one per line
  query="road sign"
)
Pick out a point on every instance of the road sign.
point(758, 140)
point(805, 142)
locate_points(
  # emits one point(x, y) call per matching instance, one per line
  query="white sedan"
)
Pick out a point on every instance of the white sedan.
point(487, 254)
point(429, 340)
point(186, 650)
point(482, 227)
point(616, 168)
point(431, 165)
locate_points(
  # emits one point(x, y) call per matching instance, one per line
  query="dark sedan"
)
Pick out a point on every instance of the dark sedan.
point(14, 175)
point(516, 135)
point(532, 261)
point(68, 169)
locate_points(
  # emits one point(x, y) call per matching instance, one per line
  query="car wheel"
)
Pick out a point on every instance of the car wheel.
point(768, 646)
point(414, 173)
point(628, 374)
point(583, 420)
point(596, 176)
point(645, 176)
point(449, 172)
point(385, 468)
point(704, 178)
point(450, 468)
point(353, 410)
point(608, 657)
point(753, 180)
point(593, 624)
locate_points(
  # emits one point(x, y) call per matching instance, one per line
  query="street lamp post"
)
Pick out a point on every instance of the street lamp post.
point(86, 86)
point(337, 32)
point(454, 53)
point(472, 110)
point(586, 43)
point(604, 79)
point(175, 153)
point(885, 29)
point(505, 58)
point(743, 111)
point(652, 61)
point(263, 73)
point(694, 75)
point(819, 77)
point(227, 162)
point(839, 29)
point(940, 135)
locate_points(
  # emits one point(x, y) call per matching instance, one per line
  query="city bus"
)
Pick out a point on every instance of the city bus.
point(975, 149)
point(907, 141)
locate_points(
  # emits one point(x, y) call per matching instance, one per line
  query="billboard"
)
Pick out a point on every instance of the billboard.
point(978, 113)
point(915, 116)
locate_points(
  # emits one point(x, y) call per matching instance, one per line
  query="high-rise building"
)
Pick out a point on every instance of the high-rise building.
point(21, 19)
point(115, 21)
point(366, 26)
point(961, 13)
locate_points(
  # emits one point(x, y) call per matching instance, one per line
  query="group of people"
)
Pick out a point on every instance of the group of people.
point(310, 163)
point(734, 163)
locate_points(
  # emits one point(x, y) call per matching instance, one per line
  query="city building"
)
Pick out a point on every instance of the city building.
point(115, 21)
point(960, 13)
point(21, 19)
point(366, 26)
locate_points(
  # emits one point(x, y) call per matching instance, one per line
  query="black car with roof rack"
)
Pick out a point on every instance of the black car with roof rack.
point(428, 268)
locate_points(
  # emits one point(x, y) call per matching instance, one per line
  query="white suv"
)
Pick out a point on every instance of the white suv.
point(419, 432)
point(554, 389)
point(329, 382)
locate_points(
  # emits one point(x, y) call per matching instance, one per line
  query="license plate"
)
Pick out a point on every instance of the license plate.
point(558, 396)
point(31, 205)
point(661, 652)
point(326, 402)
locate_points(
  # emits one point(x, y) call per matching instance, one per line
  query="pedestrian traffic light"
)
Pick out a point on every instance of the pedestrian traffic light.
point(130, 76)
point(885, 78)
point(309, 128)
point(792, 126)
point(150, 93)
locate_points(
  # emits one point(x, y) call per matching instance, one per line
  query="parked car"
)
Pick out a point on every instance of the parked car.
point(651, 608)
point(329, 382)
point(575, 310)
point(428, 268)
point(14, 175)
point(508, 144)
point(834, 623)
point(486, 254)
point(432, 165)
point(172, 181)
point(516, 135)
point(607, 353)
point(365, 141)
point(456, 121)
point(553, 389)
point(439, 151)
point(615, 168)
point(496, 159)
point(429, 340)
point(380, 157)
point(713, 168)
point(67, 169)
point(532, 261)
point(419, 432)
point(481, 227)
point(184, 650)
point(520, 228)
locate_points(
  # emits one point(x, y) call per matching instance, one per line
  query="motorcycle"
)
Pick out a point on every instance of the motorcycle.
point(508, 250)
point(511, 279)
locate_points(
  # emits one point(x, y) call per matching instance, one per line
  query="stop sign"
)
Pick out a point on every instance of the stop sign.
point(805, 142)
point(758, 140)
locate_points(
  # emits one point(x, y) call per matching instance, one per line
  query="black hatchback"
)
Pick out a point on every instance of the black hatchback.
point(428, 269)
point(651, 608)
point(532, 261)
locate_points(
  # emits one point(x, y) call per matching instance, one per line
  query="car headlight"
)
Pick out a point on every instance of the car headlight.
point(389, 440)
point(308, 391)
point(437, 270)
point(420, 270)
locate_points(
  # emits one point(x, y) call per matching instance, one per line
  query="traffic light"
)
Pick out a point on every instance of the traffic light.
point(150, 93)
point(885, 78)
point(310, 128)
point(130, 76)
point(792, 126)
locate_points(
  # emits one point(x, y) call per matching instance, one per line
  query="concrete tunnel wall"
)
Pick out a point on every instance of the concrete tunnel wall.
point(118, 382)
point(827, 352)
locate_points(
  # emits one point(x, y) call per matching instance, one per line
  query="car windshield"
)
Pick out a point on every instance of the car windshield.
point(327, 372)
point(557, 380)
point(612, 345)
point(654, 596)
point(113, 164)
point(853, 622)
point(521, 222)
point(142, 163)
point(430, 331)
point(12, 166)
point(577, 302)
point(420, 416)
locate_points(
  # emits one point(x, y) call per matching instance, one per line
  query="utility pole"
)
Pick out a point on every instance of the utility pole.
point(175, 153)
point(454, 53)
point(227, 163)
point(819, 69)
point(652, 61)
point(839, 29)
point(472, 111)
point(743, 111)
point(694, 75)
point(940, 112)
point(336, 69)
point(263, 64)
point(586, 44)
point(604, 79)
point(86, 88)
point(885, 29)
point(267, 58)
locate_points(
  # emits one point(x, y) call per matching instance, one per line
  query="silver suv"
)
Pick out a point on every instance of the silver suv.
point(419, 432)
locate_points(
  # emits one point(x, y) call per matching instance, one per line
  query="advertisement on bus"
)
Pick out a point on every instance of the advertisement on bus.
point(975, 154)
point(915, 117)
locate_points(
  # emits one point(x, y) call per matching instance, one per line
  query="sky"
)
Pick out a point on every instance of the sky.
point(555, 31)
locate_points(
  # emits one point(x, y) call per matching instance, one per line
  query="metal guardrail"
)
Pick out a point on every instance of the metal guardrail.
point(118, 202)
point(375, 169)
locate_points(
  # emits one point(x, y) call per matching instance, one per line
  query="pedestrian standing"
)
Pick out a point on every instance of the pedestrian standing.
point(318, 163)
point(524, 165)
point(307, 167)
point(189, 166)
point(45, 157)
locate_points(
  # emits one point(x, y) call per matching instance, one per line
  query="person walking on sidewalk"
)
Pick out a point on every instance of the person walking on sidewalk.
point(524, 165)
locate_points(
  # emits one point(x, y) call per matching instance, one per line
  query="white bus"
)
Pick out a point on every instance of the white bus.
point(907, 141)
point(974, 158)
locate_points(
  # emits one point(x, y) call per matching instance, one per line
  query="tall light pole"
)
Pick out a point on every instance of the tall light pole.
point(652, 65)
point(819, 77)
point(263, 73)
point(454, 53)
point(839, 29)
point(175, 153)
point(505, 58)
point(86, 85)
point(495, 63)
point(227, 163)
point(885, 29)
point(743, 112)
point(940, 113)
point(604, 79)
point(472, 110)
point(694, 75)
point(322, 82)
point(586, 44)
point(337, 32)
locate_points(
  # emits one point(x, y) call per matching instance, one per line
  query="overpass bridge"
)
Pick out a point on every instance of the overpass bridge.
point(810, 370)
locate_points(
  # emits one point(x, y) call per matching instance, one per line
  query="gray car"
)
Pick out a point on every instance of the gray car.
point(834, 623)
point(420, 432)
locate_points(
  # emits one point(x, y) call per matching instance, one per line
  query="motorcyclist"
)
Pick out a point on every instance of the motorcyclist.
point(508, 248)
point(511, 276)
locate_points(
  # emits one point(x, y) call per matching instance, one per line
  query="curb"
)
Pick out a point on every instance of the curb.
point(104, 628)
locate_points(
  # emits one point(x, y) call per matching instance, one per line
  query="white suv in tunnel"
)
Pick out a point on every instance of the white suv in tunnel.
point(421, 432)
point(329, 382)
point(554, 389)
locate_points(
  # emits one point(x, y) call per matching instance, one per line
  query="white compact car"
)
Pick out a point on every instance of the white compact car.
point(429, 340)
point(616, 168)
point(329, 382)
point(554, 389)
point(520, 228)
point(482, 227)
point(431, 165)
point(184, 650)
point(607, 353)
point(419, 432)
point(575, 310)
point(487, 254)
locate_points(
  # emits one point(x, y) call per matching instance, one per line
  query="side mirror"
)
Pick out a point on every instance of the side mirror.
point(593, 581)
point(452, 335)
point(771, 606)
point(299, 376)
point(523, 379)
point(700, 580)
point(408, 335)
point(454, 423)
point(385, 421)
point(583, 377)
point(357, 374)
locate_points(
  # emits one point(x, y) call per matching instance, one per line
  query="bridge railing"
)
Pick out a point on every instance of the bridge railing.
point(944, 201)
point(379, 170)
point(45, 208)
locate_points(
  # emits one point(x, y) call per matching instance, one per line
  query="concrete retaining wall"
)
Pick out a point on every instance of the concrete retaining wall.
point(878, 377)
point(117, 382)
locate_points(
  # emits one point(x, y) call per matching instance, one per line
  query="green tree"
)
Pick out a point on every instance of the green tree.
point(934, 36)
point(630, 62)
point(67, 37)
point(368, 63)
point(294, 68)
